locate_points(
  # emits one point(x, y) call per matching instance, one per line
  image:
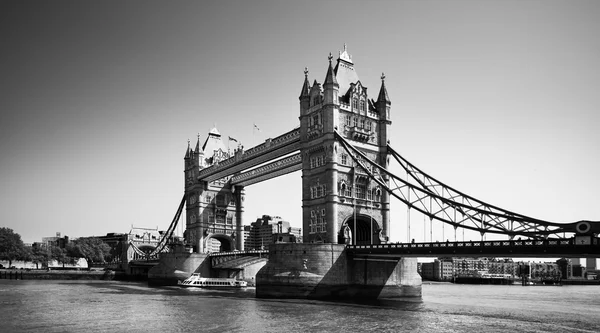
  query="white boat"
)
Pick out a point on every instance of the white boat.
point(200, 282)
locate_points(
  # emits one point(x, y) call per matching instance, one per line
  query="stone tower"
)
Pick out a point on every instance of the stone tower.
point(340, 203)
point(213, 209)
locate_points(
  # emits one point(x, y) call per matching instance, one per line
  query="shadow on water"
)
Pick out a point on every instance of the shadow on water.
point(137, 288)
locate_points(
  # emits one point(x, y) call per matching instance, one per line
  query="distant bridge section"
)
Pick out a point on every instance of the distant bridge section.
point(579, 246)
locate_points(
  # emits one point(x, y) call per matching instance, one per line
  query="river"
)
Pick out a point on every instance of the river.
point(114, 306)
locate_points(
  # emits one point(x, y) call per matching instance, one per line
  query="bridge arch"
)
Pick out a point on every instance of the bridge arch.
point(227, 243)
point(365, 227)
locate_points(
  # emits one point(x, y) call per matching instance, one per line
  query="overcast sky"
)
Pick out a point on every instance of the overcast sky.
point(499, 99)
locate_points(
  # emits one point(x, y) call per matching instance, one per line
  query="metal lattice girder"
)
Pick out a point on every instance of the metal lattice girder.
point(163, 241)
point(441, 202)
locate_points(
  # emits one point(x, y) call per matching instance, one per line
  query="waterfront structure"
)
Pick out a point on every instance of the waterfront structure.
point(445, 269)
point(570, 270)
point(341, 147)
point(270, 229)
point(340, 202)
point(213, 209)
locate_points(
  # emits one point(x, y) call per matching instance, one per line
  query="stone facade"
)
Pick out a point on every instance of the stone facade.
point(323, 271)
point(340, 202)
point(213, 209)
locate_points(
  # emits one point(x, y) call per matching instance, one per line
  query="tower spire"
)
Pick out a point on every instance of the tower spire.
point(383, 95)
point(187, 151)
point(197, 150)
point(330, 77)
point(306, 86)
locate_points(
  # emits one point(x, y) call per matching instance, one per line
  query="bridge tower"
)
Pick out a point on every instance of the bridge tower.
point(213, 209)
point(340, 203)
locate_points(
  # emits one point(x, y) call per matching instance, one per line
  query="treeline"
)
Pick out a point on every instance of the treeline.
point(92, 249)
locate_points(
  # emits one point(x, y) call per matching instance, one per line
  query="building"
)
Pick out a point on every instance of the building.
point(592, 263)
point(569, 270)
point(213, 209)
point(55, 241)
point(270, 229)
point(341, 203)
point(443, 270)
point(427, 271)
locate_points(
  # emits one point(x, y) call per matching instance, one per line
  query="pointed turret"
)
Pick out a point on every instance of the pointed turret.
point(330, 78)
point(383, 95)
point(330, 86)
point(188, 150)
point(305, 94)
point(383, 101)
point(197, 150)
point(306, 86)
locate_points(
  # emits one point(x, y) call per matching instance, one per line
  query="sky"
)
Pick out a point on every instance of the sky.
point(498, 99)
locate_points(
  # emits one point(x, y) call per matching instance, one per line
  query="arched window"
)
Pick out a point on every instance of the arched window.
point(377, 194)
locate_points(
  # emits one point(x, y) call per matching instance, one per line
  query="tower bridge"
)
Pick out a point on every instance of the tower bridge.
point(342, 149)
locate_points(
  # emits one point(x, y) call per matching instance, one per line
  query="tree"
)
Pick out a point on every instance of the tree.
point(59, 254)
point(39, 255)
point(92, 249)
point(11, 245)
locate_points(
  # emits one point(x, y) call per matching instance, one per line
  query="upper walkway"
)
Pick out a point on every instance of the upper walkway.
point(270, 150)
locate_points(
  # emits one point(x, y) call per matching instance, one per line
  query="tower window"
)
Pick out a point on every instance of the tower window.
point(360, 191)
point(362, 105)
point(354, 104)
point(348, 120)
point(315, 100)
point(344, 159)
point(348, 192)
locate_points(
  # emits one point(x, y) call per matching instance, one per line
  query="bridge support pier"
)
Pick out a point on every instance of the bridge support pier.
point(174, 266)
point(325, 271)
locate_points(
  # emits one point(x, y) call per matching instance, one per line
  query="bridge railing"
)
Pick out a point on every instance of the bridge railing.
point(471, 244)
point(220, 254)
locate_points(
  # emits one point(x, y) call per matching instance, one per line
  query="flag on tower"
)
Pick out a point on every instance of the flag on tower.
point(232, 139)
point(256, 127)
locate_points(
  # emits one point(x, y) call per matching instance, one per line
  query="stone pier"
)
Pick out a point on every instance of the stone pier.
point(178, 266)
point(325, 271)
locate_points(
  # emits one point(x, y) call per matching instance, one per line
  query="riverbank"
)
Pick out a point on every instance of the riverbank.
point(39, 274)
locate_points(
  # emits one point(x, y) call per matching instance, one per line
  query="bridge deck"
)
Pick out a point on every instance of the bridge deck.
point(502, 248)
